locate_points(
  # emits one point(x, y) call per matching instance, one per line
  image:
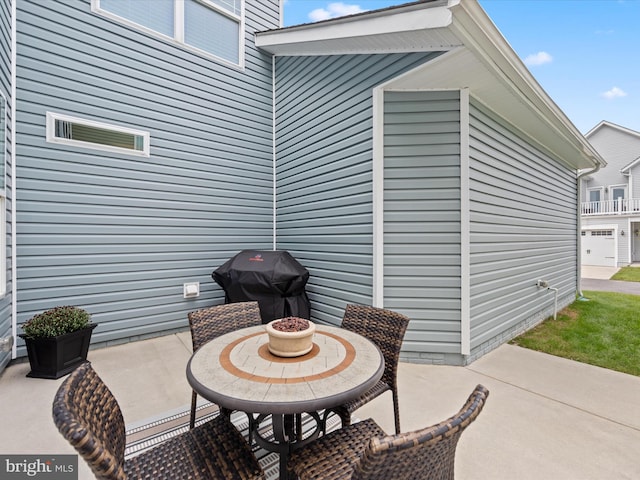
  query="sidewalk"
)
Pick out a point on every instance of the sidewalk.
point(546, 417)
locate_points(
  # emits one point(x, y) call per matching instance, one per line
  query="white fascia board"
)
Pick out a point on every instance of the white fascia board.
point(478, 33)
point(413, 18)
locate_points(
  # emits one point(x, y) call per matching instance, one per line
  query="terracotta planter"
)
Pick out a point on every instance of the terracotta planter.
point(290, 344)
point(57, 356)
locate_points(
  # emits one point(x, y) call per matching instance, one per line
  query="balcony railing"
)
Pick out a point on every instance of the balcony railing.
point(621, 206)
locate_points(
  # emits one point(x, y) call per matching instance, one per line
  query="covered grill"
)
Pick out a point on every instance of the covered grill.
point(273, 278)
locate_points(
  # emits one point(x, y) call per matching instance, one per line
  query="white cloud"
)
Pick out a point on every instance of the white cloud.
point(615, 92)
point(539, 58)
point(333, 10)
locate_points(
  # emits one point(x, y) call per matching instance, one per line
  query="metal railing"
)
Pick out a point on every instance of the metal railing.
point(620, 206)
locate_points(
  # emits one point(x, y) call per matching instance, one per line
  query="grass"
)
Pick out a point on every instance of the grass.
point(628, 274)
point(605, 331)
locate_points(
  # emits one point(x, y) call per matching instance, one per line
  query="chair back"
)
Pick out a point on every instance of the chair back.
point(383, 327)
point(424, 454)
point(212, 322)
point(89, 417)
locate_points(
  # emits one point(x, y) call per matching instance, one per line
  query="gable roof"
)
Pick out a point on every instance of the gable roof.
point(629, 166)
point(480, 59)
point(605, 124)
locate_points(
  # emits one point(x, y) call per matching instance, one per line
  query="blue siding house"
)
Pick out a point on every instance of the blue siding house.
point(610, 199)
point(405, 156)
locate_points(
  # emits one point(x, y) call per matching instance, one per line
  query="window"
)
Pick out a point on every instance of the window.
point(602, 233)
point(618, 192)
point(101, 136)
point(595, 197)
point(212, 27)
point(618, 196)
point(594, 194)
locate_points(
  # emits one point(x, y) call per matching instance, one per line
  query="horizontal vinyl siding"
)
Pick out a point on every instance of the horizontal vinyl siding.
point(422, 216)
point(619, 149)
point(118, 234)
point(523, 228)
point(324, 171)
point(5, 87)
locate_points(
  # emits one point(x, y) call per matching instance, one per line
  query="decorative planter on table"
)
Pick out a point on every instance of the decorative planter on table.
point(292, 343)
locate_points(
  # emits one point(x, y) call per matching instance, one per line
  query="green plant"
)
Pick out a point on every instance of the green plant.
point(56, 321)
point(604, 331)
point(627, 274)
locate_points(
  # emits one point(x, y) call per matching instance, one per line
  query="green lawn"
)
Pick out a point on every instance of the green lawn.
point(605, 331)
point(628, 274)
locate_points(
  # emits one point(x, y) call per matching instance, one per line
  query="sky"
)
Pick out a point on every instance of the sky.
point(584, 53)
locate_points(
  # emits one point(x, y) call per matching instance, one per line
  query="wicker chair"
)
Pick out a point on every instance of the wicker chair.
point(89, 417)
point(212, 322)
point(386, 329)
point(363, 451)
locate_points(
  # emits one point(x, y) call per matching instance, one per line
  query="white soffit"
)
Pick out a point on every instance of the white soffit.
point(461, 69)
point(416, 27)
point(478, 58)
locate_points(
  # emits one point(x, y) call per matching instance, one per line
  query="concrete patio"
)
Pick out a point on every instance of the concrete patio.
point(546, 417)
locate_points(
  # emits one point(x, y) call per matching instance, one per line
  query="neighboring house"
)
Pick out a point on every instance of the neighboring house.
point(405, 156)
point(610, 204)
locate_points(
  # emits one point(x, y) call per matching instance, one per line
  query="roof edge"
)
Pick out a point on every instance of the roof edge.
point(479, 33)
point(605, 123)
point(416, 16)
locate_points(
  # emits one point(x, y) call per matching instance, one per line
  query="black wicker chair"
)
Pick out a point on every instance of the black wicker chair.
point(209, 323)
point(89, 417)
point(363, 451)
point(386, 329)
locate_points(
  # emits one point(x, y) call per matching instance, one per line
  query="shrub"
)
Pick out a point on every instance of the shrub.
point(56, 321)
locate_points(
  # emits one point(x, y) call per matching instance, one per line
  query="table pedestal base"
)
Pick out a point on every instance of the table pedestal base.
point(287, 434)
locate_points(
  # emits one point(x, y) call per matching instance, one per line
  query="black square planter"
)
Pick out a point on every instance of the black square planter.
point(57, 356)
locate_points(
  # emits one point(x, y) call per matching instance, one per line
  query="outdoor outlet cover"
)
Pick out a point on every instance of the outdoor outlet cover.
point(191, 289)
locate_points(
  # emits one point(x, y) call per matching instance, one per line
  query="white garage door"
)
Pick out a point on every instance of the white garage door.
point(598, 248)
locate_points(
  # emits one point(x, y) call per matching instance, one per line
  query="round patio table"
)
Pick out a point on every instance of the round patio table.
point(236, 371)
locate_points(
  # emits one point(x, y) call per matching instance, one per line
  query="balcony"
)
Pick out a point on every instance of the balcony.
point(621, 206)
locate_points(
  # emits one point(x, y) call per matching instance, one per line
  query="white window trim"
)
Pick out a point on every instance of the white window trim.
point(593, 189)
point(622, 186)
point(51, 121)
point(178, 38)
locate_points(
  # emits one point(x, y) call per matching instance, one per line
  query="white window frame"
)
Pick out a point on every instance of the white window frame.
point(621, 186)
point(596, 189)
point(178, 35)
point(52, 138)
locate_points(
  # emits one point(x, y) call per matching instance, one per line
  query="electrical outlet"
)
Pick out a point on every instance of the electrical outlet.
point(6, 343)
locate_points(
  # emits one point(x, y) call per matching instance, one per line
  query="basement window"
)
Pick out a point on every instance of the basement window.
point(100, 136)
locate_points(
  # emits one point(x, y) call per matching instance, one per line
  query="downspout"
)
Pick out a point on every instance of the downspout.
point(273, 143)
point(579, 224)
point(14, 238)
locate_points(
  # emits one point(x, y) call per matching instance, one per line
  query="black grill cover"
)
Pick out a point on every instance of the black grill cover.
point(274, 278)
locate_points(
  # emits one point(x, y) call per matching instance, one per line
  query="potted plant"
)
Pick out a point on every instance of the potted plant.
point(290, 336)
point(57, 341)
